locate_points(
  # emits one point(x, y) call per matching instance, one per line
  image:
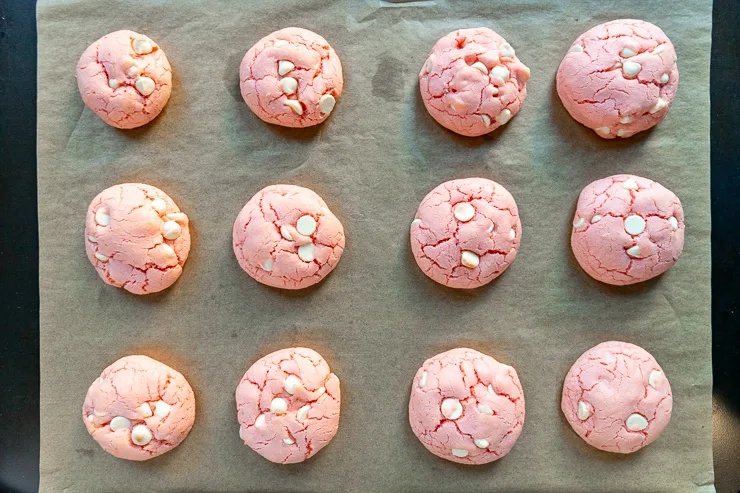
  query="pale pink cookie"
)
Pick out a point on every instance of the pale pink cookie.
point(617, 398)
point(466, 407)
point(288, 405)
point(287, 237)
point(627, 229)
point(139, 408)
point(125, 78)
point(466, 232)
point(472, 82)
point(619, 78)
point(137, 238)
point(291, 77)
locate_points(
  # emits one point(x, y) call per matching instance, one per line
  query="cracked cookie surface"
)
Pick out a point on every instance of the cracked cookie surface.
point(125, 78)
point(136, 238)
point(288, 405)
point(617, 398)
point(619, 78)
point(466, 407)
point(139, 408)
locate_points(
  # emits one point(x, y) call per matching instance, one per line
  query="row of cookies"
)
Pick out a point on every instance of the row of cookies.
point(618, 78)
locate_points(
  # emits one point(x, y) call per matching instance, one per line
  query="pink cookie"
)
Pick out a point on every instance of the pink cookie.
point(472, 82)
point(627, 229)
point(137, 238)
point(287, 237)
point(466, 232)
point(619, 78)
point(288, 405)
point(139, 408)
point(466, 407)
point(292, 78)
point(617, 398)
point(125, 78)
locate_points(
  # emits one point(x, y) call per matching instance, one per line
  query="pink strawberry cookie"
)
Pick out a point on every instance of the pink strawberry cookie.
point(472, 82)
point(292, 78)
point(137, 238)
point(139, 408)
point(627, 229)
point(125, 78)
point(287, 237)
point(466, 407)
point(466, 232)
point(288, 405)
point(617, 398)
point(619, 78)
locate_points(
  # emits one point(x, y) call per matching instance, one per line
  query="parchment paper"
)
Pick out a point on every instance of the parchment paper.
point(376, 318)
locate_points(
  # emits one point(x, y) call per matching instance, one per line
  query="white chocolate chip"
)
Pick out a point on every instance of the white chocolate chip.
point(99, 414)
point(161, 409)
point(306, 225)
point(320, 391)
point(625, 119)
point(512, 234)
point(500, 72)
point(101, 257)
point(92, 239)
point(284, 66)
point(291, 383)
point(294, 105)
point(326, 103)
point(506, 50)
point(99, 380)
point(634, 251)
point(494, 90)
point(451, 408)
point(576, 49)
point(133, 71)
point(260, 421)
point(596, 218)
point(288, 441)
point(119, 423)
point(674, 223)
point(171, 230)
point(486, 120)
point(288, 85)
point(141, 435)
point(490, 389)
point(469, 259)
point(90, 417)
point(634, 225)
point(306, 252)
point(464, 212)
point(481, 443)
point(113, 83)
point(267, 265)
point(604, 130)
point(621, 132)
point(168, 250)
point(664, 78)
point(652, 378)
point(145, 85)
point(278, 406)
point(584, 412)
point(241, 433)
point(279, 43)
point(459, 452)
point(180, 217)
point(302, 413)
point(102, 217)
point(631, 68)
point(630, 184)
point(159, 205)
point(504, 117)
point(485, 409)
point(430, 65)
point(423, 380)
point(581, 222)
point(627, 52)
point(659, 105)
point(143, 46)
point(657, 50)
point(145, 410)
point(415, 221)
point(285, 233)
point(617, 65)
point(636, 422)
point(480, 66)
point(489, 228)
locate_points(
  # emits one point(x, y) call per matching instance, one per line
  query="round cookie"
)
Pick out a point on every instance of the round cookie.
point(291, 77)
point(287, 237)
point(125, 78)
point(288, 405)
point(619, 78)
point(136, 238)
point(466, 232)
point(466, 407)
point(139, 408)
point(617, 398)
point(472, 82)
point(627, 229)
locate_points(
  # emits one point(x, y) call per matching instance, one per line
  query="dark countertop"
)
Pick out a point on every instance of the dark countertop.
point(19, 335)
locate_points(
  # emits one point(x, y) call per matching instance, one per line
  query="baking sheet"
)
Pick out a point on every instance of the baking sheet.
point(377, 317)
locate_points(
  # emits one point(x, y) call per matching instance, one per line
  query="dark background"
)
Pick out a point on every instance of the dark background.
point(19, 299)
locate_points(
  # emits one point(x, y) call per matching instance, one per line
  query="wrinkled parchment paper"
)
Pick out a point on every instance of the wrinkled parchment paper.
point(376, 318)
